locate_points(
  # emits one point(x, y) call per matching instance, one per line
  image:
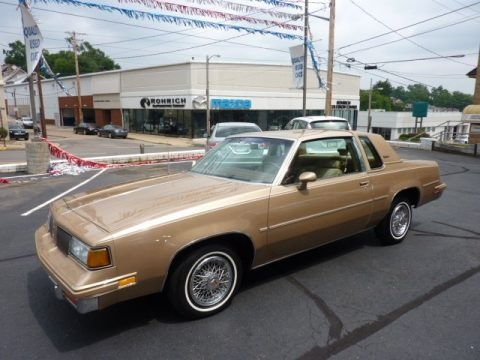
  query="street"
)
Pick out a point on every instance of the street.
point(352, 299)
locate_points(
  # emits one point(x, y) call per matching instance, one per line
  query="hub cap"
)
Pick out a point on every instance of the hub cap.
point(210, 281)
point(400, 220)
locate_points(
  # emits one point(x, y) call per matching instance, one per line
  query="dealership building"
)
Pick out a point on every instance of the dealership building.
point(171, 99)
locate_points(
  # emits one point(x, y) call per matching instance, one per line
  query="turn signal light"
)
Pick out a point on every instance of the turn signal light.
point(132, 280)
point(98, 258)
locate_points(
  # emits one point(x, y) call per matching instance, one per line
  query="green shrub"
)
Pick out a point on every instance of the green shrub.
point(3, 133)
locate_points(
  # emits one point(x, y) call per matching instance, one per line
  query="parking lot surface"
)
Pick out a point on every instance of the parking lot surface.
point(352, 299)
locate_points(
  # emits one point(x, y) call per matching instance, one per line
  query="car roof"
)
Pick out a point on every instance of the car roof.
point(300, 134)
point(236, 124)
point(319, 118)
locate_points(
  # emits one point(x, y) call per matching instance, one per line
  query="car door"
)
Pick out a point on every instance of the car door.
point(336, 205)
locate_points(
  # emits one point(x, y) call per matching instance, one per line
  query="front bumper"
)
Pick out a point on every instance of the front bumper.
point(87, 290)
point(83, 306)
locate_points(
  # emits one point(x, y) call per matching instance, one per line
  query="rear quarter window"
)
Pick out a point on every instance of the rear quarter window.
point(373, 156)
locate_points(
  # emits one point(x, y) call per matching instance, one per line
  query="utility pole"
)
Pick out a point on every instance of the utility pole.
point(33, 108)
point(208, 91)
point(476, 94)
point(305, 40)
point(73, 34)
point(15, 108)
point(331, 42)
point(369, 116)
point(42, 108)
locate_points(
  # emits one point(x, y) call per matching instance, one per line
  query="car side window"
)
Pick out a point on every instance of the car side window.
point(327, 158)
point(300, 124)
point(289, 125)
point(373, 157)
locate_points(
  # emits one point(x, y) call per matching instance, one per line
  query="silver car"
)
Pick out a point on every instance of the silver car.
point(318, 122)
point(27, 122)
point(221, 130)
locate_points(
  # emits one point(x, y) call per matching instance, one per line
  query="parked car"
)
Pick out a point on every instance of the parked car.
point(27, 122)
point(318, 122)
point(17, 131)
point(86, 129)
point(113, 131)
point(221, 130)
point(255, 199)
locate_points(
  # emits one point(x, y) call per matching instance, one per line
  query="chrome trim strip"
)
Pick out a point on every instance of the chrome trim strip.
point(313, 216)
point(431, 183)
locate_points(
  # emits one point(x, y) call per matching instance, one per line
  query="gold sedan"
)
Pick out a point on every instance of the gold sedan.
point(257, 198)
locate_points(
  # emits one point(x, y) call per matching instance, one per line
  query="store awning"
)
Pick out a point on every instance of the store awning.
point(471, 114)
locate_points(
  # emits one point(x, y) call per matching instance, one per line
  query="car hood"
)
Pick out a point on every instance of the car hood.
point(156, 201)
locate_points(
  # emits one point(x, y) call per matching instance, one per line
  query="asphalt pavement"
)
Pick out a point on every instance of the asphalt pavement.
point(352, 299)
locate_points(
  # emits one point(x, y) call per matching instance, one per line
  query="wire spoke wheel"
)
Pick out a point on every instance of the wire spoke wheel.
point(211, 281)
point(400, 220)
point(205, 281)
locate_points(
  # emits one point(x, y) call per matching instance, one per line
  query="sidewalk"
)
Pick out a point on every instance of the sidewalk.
point(55, 133)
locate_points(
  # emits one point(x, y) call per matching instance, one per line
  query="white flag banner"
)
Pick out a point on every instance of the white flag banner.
point(33, 39)
point(296, 53)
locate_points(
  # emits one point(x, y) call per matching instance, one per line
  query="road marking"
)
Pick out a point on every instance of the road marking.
point(63, 194)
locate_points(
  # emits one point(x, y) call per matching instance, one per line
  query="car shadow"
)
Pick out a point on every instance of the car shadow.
point(307, 259)
point(69, 330)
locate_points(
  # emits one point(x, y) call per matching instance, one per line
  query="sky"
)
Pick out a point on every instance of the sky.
point(410, 41)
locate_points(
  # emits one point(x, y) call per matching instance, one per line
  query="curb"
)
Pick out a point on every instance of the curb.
point(117, 159)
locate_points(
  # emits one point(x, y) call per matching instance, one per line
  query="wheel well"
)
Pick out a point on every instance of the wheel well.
point(412, 194)
point(240, 243)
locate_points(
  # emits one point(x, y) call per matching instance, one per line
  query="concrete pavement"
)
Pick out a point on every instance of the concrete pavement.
point(56, 133)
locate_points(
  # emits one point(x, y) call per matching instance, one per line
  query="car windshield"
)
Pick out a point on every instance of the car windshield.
point(227, 131)
point(252, 159)
point(15, 126)
point(330, 124)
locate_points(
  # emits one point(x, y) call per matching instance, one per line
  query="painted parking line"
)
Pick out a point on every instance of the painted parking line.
point(63, 194)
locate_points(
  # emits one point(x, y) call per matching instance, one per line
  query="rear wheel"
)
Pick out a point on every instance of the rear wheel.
point(204, 282)
point(394, 227)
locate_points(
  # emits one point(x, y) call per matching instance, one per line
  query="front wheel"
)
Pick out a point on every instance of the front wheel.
point(204, 282)
point(394, 227)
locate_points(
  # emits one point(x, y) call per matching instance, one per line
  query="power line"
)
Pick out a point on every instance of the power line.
point(407, 26)
point(405, 38)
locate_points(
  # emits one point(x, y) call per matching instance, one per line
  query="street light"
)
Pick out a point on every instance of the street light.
point(208, 93)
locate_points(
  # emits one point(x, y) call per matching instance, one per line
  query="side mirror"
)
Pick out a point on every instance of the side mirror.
point(305, 178)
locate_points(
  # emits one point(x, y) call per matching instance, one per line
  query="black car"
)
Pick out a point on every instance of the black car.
point(17, 131)
point(113, 131)
point(86, 129)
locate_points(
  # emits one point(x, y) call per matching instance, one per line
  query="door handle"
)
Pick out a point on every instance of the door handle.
point(364, 183)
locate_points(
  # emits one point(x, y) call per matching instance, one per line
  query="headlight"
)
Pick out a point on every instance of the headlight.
point(92, 258)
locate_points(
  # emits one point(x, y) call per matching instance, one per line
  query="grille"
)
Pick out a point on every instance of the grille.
point(63, 240)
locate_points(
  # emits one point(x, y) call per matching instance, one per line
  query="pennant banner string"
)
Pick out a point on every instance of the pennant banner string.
point(280, 3)
point(188, 10)
point(222, 3)
point(136, 14)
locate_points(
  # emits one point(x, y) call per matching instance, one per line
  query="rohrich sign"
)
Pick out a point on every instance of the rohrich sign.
point(163, 102)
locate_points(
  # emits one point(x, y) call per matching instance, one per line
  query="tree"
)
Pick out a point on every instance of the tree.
point(16, 55)
point(384, 87)
point(418, 92)
point(440, 97)
point(461, 100)
point(90, 59)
